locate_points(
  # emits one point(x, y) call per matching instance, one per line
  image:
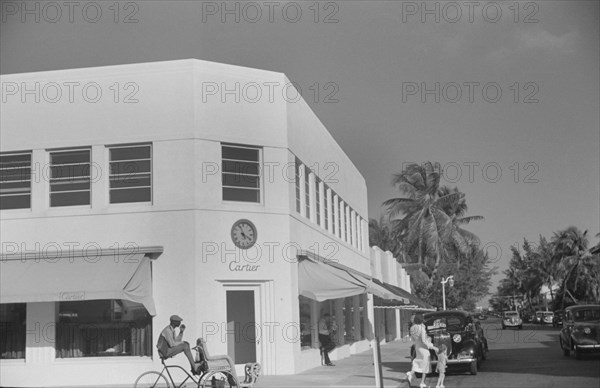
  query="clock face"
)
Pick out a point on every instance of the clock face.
point(243, 234)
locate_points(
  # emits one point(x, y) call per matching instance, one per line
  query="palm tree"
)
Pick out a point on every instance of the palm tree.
point(460, 239)
point(572, 257)
point(429, 215)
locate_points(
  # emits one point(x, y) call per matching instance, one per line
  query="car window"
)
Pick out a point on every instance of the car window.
point(589, 315)
point(448, 322)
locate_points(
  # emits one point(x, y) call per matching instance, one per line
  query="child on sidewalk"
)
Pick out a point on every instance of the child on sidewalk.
point(441, 365)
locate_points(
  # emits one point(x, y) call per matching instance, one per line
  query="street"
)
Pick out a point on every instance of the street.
point(530, 357)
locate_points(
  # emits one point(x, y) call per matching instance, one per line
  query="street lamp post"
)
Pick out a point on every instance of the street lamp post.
point(444, 281)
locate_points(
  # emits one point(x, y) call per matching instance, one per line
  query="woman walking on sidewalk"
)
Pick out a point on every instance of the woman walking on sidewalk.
point(422, 362)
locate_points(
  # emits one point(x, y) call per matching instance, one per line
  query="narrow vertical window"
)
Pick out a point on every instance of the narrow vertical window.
point(326, 207)
point(241, 173)
point(307, 191)
point(15, 181)
point(298, 183)
point(318, 199)
point(130, 174)
point(70, 182)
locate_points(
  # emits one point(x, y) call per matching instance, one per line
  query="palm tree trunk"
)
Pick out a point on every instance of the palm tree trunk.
point(565, 284)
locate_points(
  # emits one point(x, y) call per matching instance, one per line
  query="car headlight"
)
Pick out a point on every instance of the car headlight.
point(457, 338)
point(587, 330)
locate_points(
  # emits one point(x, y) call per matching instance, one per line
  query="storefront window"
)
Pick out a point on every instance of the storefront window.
point(12, 330)
point(103, 328)
point(305, 319)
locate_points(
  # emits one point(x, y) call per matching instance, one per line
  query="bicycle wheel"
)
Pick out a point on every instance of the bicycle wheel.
point(151, 379)
point(218, 380)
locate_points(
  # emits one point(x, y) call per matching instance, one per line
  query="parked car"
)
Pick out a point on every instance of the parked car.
point(512, 319)
point(527, 317)
point(557, 321)
point(547, 317)
point(463, 337)
point(581, 330)
point(538, 317)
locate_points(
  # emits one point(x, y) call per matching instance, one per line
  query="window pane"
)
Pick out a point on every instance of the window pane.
point(130, 169)
point(128, 153)
point(101, 328)
point(297, 168)
point(12, 330)
point(15, 202)
point(130, 195)
point(244, 195)
point(15, 181)
point(70, 199)
point(238, 153)
point(68, 185)
point(130, 181)
point(241, 180)
point(69, 157)
point(240, 167)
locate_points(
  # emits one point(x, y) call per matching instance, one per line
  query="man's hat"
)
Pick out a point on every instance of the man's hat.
point(176, 318)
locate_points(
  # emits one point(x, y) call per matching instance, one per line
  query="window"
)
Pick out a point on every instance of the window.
point(326, 207)
point(70, 178)
point(298, 204)
point(99, 328)
point(318, 200)
point(12, 330)
point(307, 192)
point(15, 181)
point(305, 322)
point(241, 173)
point(130, 173)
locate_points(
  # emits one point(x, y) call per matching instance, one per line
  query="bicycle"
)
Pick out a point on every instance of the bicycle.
point(216, 373)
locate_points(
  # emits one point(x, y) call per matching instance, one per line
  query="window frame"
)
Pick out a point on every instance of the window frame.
point(50, 179)
point(110, 174)
point(30, 180)
point(259, 177)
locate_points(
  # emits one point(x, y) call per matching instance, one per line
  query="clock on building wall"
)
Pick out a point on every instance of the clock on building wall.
point(243, 234)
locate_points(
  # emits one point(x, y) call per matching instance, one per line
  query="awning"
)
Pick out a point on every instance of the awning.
point(52, 278)
point(410, 301)
point(322, 279)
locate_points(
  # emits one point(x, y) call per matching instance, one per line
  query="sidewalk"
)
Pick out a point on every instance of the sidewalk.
point(354, 371)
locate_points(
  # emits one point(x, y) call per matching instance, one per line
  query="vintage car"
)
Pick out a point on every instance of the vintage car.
point(547, 317)
point(463, 337)
point(512, 319)
point(581, 330)
point(538, 317)
point(557, 320)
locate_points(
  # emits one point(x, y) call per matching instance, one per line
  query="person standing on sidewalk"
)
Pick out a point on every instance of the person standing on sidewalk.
point(327, 344)
point(422, 362)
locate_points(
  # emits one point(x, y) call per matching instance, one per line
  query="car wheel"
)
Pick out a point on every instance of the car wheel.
point(577, 353)
point(473, 368)
point(520, 327)
point(503, 327)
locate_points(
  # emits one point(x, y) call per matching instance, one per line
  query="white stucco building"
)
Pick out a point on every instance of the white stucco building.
point(131, 193)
